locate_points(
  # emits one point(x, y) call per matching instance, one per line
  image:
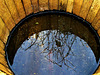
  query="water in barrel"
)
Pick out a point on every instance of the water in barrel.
point(53, 44)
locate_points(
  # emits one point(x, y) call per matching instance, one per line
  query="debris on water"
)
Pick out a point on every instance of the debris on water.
point(37, 23)
point(34, 73)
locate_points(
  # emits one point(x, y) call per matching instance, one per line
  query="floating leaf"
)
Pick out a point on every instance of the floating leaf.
point(34, 73)
point(37, 23)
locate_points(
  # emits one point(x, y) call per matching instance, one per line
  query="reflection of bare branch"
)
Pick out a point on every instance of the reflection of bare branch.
point(69, 66)
point(54, 62)
point(81, 42)
point(70, 47)
point(37, 36)
point(72, 53)
point(32, 44)
point(70, 62)
point(55, 46)
point(44, 50)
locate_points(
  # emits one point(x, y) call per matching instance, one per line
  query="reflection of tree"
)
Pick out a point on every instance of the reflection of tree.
point(56, 46)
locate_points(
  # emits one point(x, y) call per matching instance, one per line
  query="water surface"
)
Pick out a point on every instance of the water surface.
point(53, 45)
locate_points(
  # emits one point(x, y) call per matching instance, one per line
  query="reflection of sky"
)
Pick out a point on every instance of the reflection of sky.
point(45, 56)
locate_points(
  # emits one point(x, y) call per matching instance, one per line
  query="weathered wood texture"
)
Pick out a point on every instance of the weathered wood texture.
point(99, 31)
point(6, 16)
point(27, 6)
point(77, 6)
point(96, 21)
point(3, 64)
point(1, 73)
point(97, 25)
point(85, 8)
point(35, 4)
point(5, 69)
point(53, 4)
point(63, 5)
point(2, 44)
point(4, 32)
point(20, 8)
point(93, 10)
point(43, 5)
point(70, 5)
point(12, 11)
point(3, 60)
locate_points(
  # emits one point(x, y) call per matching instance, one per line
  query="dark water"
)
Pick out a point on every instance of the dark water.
point(53, 45)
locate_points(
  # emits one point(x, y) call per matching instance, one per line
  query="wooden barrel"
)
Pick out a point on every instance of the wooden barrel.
point(13, 11)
